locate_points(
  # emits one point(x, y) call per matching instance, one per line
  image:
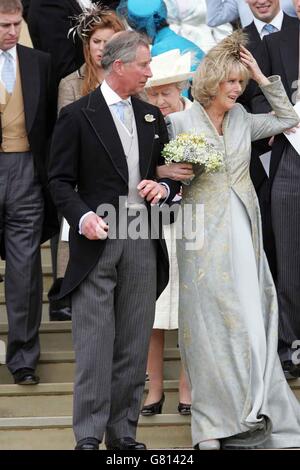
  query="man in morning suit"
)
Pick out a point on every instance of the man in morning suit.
point(26, 124)
point(224, 11)
point(268, 19)
point(49, 22)
point(108, 152)
point(281, 57)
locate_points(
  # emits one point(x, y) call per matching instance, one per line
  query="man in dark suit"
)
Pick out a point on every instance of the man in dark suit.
point(49, 22)
point(110, 155)
point(26, 124)
point(268, 19)
point(281, 57)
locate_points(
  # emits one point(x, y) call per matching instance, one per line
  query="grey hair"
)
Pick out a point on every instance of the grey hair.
point(122, 46)
point(184, 85)
point(11, 6)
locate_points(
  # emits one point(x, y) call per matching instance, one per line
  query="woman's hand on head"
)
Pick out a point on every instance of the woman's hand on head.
point(249, 61)
point(175, 171)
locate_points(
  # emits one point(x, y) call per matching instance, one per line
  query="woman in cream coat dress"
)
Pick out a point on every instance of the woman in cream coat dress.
point(228, 317)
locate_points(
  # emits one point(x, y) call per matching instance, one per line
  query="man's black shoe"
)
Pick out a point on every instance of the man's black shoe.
point(291, 370)
point(59, 314)
point(26, 376)
point(126, 443)
point(59, 309)
point(88, 443)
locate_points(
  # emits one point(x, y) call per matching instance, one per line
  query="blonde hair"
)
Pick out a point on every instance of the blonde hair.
point(217, 65)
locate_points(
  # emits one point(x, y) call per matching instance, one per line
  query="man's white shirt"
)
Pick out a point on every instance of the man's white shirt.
point(111, 98)
point(13, 53)
point(276, 21)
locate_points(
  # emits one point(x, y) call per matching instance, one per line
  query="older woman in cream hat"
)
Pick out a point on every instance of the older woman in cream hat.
point(171, 76)
point(171, 72)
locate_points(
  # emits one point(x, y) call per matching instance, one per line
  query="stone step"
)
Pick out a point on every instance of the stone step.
point(2, 297)
point(54, 336)
point(58, 366)
point(46, 267)
point(56, 399)
point(57, 336)
point(2, 352)
point(45, 254)
point(46, 260)
point(3, 315)
point(47, 277)
point(164, 431)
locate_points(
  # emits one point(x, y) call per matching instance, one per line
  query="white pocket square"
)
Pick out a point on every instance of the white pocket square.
point(156, 136)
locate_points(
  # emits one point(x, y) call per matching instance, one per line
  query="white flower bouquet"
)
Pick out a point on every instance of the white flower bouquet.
point(193, 148)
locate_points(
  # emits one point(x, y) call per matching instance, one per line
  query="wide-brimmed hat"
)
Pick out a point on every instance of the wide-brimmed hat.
point(170, 67)
point(143, 15)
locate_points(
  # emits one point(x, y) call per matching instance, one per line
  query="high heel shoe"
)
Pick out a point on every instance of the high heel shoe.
point(184, 409)
point(210, 444)
point(153, 408)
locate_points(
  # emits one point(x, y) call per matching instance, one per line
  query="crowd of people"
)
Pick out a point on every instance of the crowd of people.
point(85, 116)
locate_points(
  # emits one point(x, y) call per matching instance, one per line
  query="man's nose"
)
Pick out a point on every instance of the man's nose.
point(12, 30)
point(148, 72)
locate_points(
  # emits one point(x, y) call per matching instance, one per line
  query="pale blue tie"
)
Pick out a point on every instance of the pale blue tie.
point(124, 111)
point(8, 72)
point(269, 29)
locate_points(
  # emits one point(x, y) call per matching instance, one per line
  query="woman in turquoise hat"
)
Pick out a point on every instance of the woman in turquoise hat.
point(149, 16)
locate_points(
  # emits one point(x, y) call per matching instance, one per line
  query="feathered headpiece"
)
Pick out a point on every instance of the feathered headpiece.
point(231, 45)
point(87, 20)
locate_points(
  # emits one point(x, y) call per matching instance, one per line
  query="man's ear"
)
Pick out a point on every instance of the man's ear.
point(118, 67)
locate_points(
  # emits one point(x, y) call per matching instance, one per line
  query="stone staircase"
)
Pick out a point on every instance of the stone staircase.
point(39, 417)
